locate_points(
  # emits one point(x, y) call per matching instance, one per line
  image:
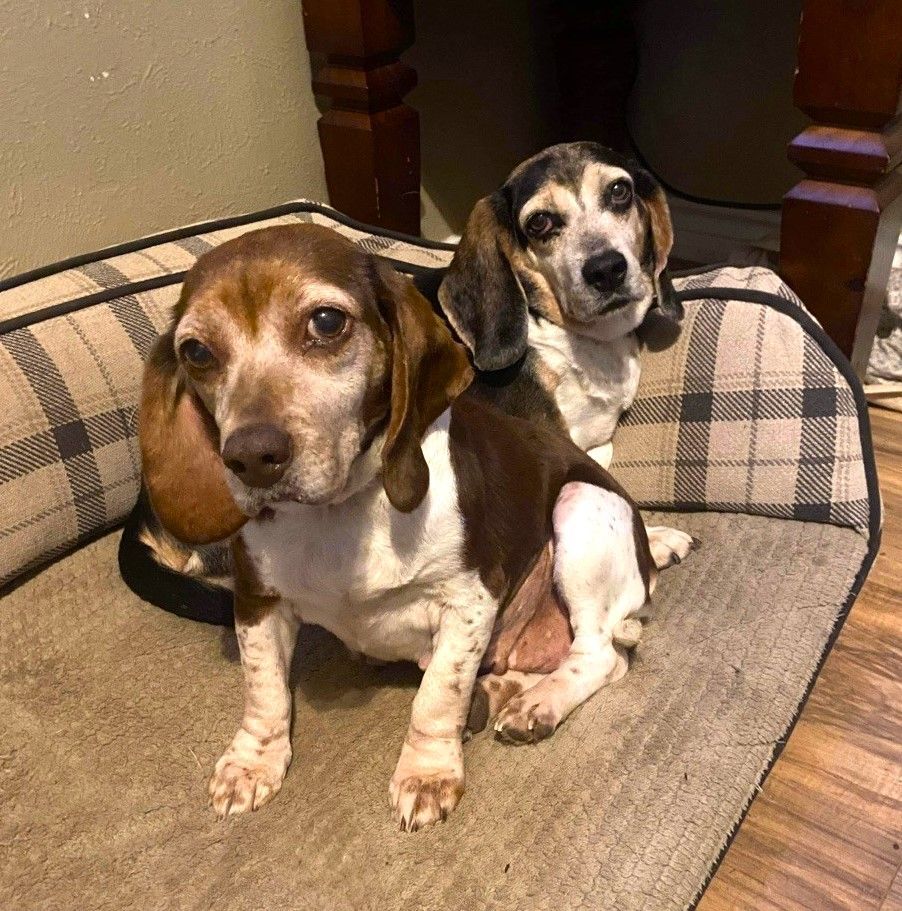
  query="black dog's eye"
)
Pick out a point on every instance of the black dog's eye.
point(539, 224)
point(326, 323)
point(621, 193)
point(197, 354)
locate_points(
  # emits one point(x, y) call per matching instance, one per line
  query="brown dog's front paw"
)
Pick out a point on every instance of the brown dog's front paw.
point(245, 779)
point(523, 720)
point(420, 801)
point(428, 782)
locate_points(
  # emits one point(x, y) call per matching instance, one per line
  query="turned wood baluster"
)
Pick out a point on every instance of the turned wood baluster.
point(841, 223)
point(369, 138)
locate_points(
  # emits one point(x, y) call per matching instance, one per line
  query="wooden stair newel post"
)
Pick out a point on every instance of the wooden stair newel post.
point(841, 223)
point(369, 138)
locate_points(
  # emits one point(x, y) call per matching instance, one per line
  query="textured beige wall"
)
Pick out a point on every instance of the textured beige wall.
point(124, 117)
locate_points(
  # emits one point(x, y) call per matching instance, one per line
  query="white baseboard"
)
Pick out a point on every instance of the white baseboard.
point(711, 234)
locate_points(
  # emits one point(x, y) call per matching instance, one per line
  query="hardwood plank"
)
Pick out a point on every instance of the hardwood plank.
point(893, 901)
point(825, 832)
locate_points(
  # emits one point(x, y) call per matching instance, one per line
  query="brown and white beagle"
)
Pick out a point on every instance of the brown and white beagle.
point(555, 273)
point(308, 404)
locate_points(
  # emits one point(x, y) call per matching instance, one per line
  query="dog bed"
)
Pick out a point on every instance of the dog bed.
point(750, 427)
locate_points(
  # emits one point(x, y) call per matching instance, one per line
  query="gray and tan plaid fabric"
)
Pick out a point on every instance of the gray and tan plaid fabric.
point(158, 260)
point(745, 412)
point(746, 278)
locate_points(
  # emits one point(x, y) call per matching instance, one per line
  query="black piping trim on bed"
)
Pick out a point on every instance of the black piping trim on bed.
point(152, 284)
point(24, 320)
point(828, 346)
point(218, 224)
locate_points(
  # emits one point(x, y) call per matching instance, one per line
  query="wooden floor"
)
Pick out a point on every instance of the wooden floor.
point(826, 830)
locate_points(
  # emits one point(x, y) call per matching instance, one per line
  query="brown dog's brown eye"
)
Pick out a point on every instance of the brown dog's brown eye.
point(539, 224)
point(327, 323)
point(621, 193)
point(197, 354)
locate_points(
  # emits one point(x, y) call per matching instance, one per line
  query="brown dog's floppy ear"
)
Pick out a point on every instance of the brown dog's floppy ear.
point(481, 294)
point(661, 229)
point(429, 370)
point(183, 471)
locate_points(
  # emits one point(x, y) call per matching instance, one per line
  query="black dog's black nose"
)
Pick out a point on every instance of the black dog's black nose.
point(605, 271)
point(258, 454)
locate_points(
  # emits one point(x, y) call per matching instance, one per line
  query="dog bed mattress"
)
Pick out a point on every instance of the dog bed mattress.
point(749, 432)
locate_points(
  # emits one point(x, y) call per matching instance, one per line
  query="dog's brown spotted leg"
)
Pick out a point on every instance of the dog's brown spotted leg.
point(250, 772)
point(597, 573)
point(429, 779)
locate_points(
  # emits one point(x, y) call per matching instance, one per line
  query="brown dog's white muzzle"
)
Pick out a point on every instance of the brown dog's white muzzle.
point(258, 454)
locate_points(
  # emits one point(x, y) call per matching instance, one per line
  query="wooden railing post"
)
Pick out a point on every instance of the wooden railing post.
point(369, 138)
point(841, 223)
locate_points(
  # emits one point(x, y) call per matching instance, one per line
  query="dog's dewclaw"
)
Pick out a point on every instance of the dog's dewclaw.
point(628, 632)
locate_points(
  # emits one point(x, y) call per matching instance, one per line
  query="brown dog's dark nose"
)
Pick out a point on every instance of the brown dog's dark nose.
point(605, 271)
point(258, 454)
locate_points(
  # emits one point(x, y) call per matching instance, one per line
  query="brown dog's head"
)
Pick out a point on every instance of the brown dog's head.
point(292, 353)
point(579, 235)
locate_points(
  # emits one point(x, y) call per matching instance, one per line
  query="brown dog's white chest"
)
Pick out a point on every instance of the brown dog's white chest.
point(594, 382)
point(373, 576)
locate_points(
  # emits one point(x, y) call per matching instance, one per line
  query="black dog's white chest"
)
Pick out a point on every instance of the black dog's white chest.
point(595, 382)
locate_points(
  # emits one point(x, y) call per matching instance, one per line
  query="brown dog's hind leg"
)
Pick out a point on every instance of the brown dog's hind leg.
point(540, 647)
point(599, 576)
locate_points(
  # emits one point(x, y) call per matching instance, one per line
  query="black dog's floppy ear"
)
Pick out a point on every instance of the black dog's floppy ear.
point(481, 295)
point(665, 295)
point(661, 230)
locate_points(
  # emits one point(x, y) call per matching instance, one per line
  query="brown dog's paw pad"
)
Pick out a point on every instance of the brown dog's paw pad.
point(420, 801)
point(669, 546)
point(628, 633)
point(235, 789)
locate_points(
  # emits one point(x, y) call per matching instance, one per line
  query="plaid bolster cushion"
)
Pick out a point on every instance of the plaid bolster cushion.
point(745, 412)
point(72, 345)
point(748, 411)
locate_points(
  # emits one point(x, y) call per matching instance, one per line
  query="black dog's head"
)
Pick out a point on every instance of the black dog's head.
point(579, 235)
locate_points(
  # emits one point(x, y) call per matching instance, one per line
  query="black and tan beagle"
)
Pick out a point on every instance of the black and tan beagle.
point(555, 273)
